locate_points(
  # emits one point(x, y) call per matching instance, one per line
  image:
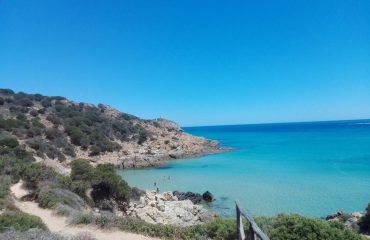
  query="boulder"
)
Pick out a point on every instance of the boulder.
point(334, 215)
point(165, 209)
point(207, 196)
point(196, 198)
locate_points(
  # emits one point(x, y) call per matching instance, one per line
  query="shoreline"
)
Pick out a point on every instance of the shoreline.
point(163, 159)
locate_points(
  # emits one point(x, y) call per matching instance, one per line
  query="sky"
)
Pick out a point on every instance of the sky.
point(202, 62)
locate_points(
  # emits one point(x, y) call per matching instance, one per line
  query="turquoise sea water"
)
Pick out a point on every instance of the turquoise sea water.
point(308, 168)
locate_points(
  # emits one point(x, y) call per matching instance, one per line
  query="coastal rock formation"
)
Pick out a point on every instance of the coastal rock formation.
point(165, 208)
point(196, 198)
point(207, 196)
point(350, 220)
point(56, 130)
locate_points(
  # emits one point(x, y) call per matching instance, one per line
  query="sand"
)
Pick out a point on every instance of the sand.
point(58, 224)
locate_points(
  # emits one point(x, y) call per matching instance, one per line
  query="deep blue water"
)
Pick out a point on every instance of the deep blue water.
point(308, 168)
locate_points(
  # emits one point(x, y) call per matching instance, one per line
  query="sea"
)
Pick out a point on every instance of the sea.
point(310, 168)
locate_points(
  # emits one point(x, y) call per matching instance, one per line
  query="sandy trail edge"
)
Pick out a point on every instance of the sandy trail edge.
point(58, 224)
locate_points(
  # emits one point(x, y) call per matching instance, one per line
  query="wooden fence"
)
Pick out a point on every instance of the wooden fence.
point(253, 232)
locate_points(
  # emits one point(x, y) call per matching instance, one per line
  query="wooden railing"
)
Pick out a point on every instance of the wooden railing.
point(253, 232)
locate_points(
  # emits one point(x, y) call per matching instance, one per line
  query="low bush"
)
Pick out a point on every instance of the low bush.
point(296, 227)
point(9, 142)
point(364, 222)
point(36, 234)
point(20, 222)
point(35, 173)
point(82, 218)
point(5, 182)
point(108, 184)
point(13, 167)
point(34, 113)
point(81, 170)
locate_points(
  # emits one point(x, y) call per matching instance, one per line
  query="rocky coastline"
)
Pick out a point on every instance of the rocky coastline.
point(349, 220)
point(166, 208)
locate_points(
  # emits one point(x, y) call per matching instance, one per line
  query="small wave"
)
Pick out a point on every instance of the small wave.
point(364, 123)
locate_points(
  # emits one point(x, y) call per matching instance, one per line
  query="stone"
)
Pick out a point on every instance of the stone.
point(357, 215)
point(196, 198)
point(207, 196)
point(166, 209)
point(334, 215)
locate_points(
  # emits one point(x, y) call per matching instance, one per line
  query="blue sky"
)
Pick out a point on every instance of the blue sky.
point(195, 62)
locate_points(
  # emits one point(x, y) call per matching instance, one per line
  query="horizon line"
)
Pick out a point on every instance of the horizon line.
point(272, 123)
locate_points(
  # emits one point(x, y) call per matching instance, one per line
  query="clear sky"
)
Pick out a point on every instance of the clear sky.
point(195, 62)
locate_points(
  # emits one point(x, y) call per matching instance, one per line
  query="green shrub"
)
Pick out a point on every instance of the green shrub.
point(34, 113)
point(217, 229)
point(50, 197)
point(6, 91)
point(52, 133)
point(82, 218)
point(95, 150)
point(46, 103)
point(80, 187)
point(20, 222)
point(69, 150)
point(53, 119)
point(47, 199)
point(9, 142)
point(25, 102)
point(13, 166)
point(4, 189)
point(296, 227)
point(35, 173)
point(364, 222)
point(36, 123)
point(81, 170)
point(108, 184)
point(77, 136)
point(41, 110)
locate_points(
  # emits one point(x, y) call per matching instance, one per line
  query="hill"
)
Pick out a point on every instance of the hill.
point(56, 130)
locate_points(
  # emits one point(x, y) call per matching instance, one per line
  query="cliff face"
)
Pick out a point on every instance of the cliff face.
point(57, 131)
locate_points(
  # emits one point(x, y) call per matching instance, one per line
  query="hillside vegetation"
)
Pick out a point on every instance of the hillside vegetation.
point(55, 128)
point(36, 130)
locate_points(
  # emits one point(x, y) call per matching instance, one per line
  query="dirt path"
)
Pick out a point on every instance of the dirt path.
point(58, 224)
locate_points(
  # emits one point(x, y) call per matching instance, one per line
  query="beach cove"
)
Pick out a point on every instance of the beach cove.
point(309, 168)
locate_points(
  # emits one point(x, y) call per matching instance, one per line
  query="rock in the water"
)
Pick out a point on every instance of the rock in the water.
point(207, 196)
point(196, 198)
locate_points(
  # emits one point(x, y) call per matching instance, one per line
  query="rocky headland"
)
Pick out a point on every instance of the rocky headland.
point(57, 131)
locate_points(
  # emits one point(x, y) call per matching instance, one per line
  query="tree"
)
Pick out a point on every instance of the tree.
point(107, 184)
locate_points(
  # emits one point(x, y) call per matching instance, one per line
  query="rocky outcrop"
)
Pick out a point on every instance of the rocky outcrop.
point(56, 131)
point(207, 196)
point(350, 220)
point(334, 216)
point(196, 198)
point(165, 208)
